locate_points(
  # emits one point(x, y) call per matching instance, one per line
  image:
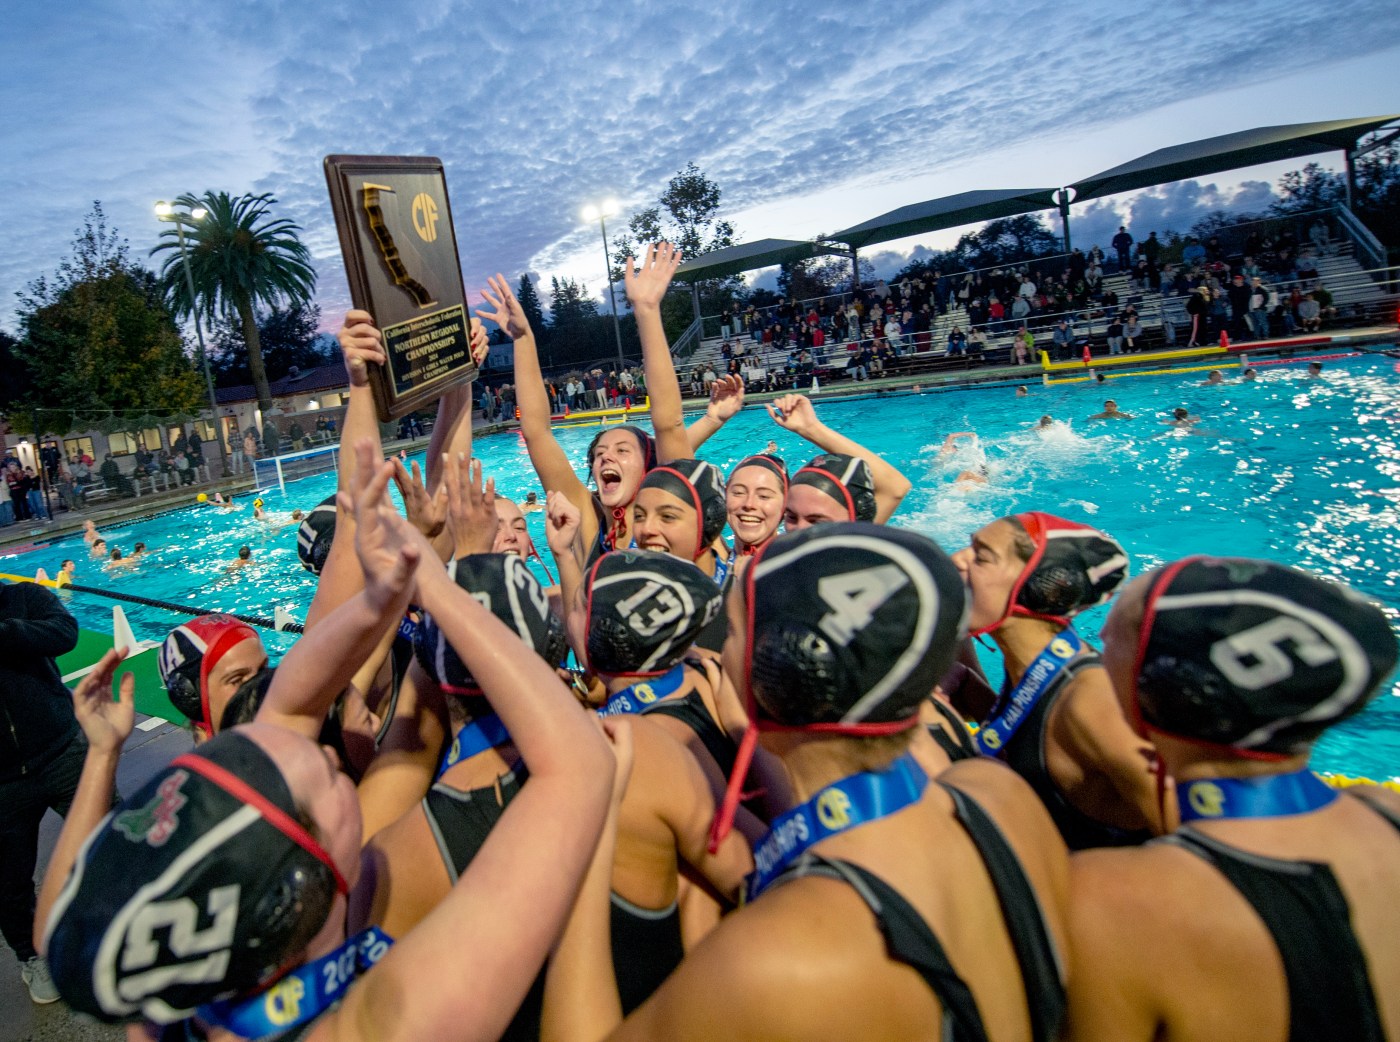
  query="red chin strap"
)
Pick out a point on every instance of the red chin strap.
point(222, 645)
point(1035, 527)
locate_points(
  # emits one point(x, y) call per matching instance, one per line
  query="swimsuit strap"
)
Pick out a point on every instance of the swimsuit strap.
point(907, 938)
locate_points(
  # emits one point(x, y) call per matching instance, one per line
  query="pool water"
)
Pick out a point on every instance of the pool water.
point(1301, 470)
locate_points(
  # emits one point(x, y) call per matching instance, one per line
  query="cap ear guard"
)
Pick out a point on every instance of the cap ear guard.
point(795, 673)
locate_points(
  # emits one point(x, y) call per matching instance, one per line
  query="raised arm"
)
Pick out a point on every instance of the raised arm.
point(795, 413)
point(106, 724)
point(562, 533)
point(362, 346)
point(726, 399)
point(452, 431)
point(646, 286)
point(552, 466)
point(511, 902)
point(320, 665)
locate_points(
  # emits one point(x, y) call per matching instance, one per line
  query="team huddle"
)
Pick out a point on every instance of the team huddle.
point(742, 786)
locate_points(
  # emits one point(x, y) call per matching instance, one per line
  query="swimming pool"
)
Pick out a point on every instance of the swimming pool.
point(1301, 470)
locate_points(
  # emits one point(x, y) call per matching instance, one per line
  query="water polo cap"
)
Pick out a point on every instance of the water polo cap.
point(1073, 567)
point(767, 461)
point(189, 655)
point(698, 485)
point(849, 628)
point(505, 586)
point(315, 535)
point(645, 610)
point(846, 479)
point(1254, 657)
point(203, 885)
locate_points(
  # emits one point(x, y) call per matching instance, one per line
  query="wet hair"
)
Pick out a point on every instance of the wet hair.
point(116, 553)
point(1180, 413)
point(245, 552)
point(645, 442)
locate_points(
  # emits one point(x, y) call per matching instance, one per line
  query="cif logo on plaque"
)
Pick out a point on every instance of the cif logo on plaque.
point(425, 216)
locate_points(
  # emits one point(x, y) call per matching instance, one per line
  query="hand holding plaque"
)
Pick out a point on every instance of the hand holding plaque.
point(400, 251)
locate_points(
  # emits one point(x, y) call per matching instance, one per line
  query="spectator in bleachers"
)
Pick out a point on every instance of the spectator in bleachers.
point(1310, 314)
point(1132, 332)
point(1115, 335)
point(1122, 244)
point(1150, 250)
point(1238, 295)
point(1023, 346)
point(1320, 236)
point(1258, 308)
point(1193, 253)
point(957, 341)
point(1062, 340)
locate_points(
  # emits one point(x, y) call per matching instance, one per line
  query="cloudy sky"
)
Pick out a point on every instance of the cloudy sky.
point(811, 116)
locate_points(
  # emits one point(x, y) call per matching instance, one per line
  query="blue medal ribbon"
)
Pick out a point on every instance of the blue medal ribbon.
point(644, 694)
point(476, 736)
point(840, 807)
point(408, 629)
point(1268, 796)
point(1012, 710)
point(302, 995)
point(722, 568)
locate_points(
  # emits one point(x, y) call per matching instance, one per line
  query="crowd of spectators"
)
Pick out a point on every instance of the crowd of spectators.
point(1052, 302)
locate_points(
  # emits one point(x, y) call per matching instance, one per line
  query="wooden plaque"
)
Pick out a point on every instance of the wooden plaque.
point(400, 250)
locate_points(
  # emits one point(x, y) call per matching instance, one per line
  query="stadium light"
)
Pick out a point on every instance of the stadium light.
point(600, 213)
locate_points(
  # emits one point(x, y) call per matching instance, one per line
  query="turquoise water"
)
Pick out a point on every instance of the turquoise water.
point(1304, 471)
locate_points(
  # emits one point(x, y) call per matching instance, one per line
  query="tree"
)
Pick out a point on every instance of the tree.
point(569, 303)
point(1007, 240)
point(530, 303)
point(241, 258)
point(288, 338)
point(97, 338)
point(686, 215)
point(1311, 188)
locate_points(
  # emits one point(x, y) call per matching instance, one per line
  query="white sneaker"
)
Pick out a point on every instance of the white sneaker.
point(36, 977)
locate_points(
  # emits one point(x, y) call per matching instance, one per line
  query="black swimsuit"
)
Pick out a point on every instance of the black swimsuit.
point(646, 947)
point(1329, 989)
point(1025, 754)
point(690, 710)
point(460, 823)
point(909, 939)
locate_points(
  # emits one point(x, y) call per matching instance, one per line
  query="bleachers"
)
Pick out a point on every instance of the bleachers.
point(1356, 293)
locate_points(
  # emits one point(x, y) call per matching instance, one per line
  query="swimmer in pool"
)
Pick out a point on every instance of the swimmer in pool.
point(1045, 423)
point(532, 503)
point(116, 560)
point(975, 475)
point(1214, 378)
point(67, 572)
point(244, 558)
point(1023, 391)
point(1182, 419)
point(1314, 370)
point(99, 548)
point(1112, 412)
point(259, 514)
point(1249, 376)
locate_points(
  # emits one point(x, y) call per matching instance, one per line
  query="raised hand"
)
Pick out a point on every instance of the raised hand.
point(794, 412)
point(361, 344)
point(562, 521)
point(648, 284)
point(470, 505)
point(106, 723)
point(726, 398)
point(507, 312)
point(384, 541)
point(480, 344)
point(426, 513)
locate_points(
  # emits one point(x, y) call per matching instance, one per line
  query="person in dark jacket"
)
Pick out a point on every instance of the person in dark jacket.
point(41, 756)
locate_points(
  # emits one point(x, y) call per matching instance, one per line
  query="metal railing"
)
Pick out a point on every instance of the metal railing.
point(1365, 242)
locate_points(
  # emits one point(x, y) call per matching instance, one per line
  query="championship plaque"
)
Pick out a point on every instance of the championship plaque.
point(400, 252)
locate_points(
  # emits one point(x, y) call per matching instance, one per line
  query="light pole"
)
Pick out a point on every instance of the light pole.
point(166, 212)
point(600, 214)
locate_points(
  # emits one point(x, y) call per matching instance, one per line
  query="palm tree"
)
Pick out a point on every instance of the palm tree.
point(241, 258)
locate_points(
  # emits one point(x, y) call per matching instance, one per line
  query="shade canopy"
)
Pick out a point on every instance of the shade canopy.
point(749, 256)
point(951, 211)
point(1228, 152)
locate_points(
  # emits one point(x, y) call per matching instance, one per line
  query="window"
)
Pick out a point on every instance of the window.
point(171, 433)
point(151, 439)
point(121, 444)
point(77, 447)
point(331, 401)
